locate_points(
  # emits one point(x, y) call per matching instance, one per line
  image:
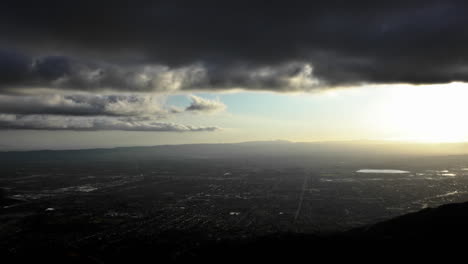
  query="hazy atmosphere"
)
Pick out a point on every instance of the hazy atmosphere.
point(172, 131)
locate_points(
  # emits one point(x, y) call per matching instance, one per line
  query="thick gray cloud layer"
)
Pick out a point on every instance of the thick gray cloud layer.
point(84, 49)
point(19, 71)
point(164, 45)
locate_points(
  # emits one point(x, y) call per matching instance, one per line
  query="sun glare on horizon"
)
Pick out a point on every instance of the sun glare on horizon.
point(427, 113)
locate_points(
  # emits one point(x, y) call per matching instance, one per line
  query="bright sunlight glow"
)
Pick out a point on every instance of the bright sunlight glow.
point(428, 113)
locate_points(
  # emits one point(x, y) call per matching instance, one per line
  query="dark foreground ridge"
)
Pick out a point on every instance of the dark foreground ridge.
point(431, 226)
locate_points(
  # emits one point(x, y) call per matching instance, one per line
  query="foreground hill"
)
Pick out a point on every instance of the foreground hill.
point(390, 239)
point(444, 223)
point(399, 237)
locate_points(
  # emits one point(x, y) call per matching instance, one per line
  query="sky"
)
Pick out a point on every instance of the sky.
point(84, 74)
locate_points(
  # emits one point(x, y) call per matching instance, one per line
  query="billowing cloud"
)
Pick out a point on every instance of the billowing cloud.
point(192, 45)
point(200, 104)
point(83, 112)
point(46, 122)
point(59, 72)
point(105, 63)
point(83, 105)
point(120, 105)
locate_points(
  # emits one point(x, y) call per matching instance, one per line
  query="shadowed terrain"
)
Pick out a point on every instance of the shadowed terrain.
point(230, 202)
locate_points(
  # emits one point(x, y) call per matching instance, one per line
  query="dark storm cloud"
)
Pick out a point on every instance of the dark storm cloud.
point(231, 44)
point(60, 72)
point(63, 72)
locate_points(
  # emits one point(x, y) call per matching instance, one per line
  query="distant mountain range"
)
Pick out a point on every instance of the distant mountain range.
point(264, 148)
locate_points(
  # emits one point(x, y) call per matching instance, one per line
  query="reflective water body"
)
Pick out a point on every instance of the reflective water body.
point(381, 171)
